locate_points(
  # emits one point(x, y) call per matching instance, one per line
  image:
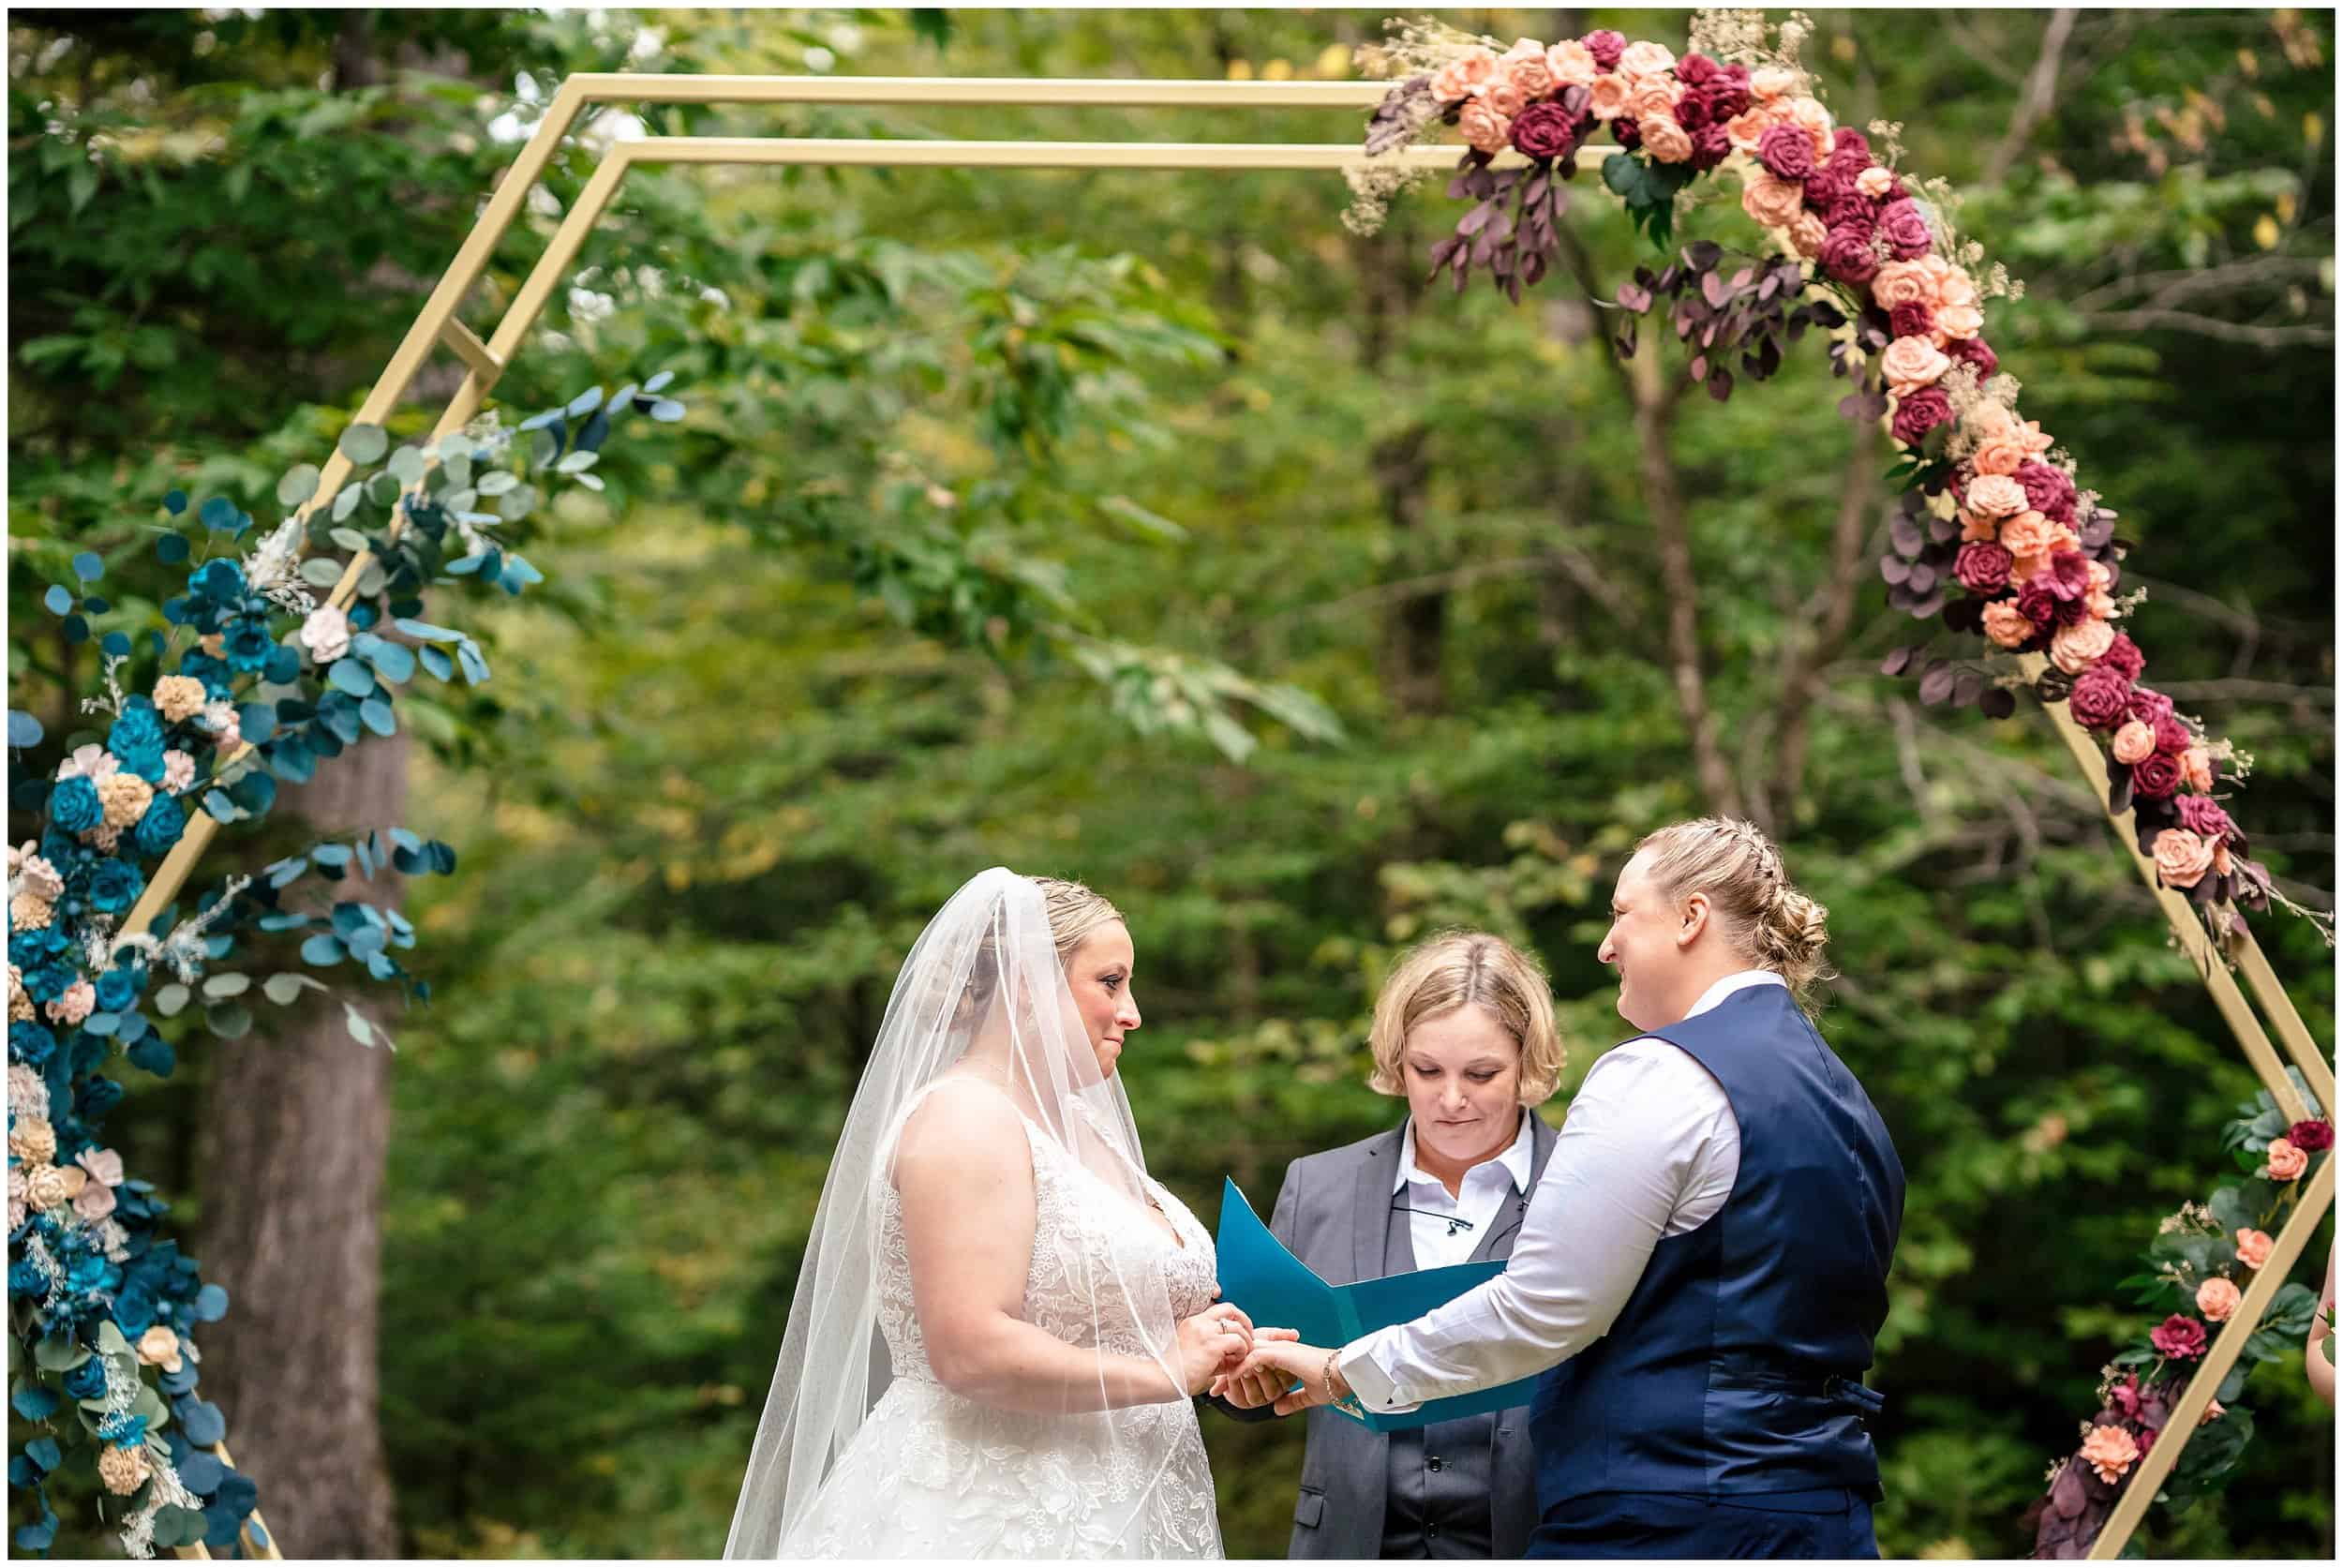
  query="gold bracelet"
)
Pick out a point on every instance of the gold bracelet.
point(1326, 1378)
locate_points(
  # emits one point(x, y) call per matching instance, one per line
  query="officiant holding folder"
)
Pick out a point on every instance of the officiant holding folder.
point(1463, 1030)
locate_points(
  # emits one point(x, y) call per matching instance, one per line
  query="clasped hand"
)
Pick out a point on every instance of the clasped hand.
point(1215, 1344)
point(1267, 1373)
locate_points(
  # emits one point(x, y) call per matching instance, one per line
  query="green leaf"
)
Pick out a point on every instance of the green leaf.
point(171, 999)
point(407, 465)
point(233, 1021)
point(298, 486)
point(284, 987)
point(218, 988)
point(346, 502)
point(321, 571)
point(364, 445)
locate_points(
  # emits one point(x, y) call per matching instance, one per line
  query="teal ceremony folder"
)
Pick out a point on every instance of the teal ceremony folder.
point(1276, 1290)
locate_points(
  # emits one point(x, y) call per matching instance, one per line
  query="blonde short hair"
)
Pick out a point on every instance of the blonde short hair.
point(1749, 891)
point(1469, 968)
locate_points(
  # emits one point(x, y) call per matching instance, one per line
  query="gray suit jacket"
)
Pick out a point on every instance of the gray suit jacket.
point(1334, 1213)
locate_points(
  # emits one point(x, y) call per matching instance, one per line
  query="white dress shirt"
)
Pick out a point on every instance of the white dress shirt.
point(1648, 1150)
point(1481, 1197)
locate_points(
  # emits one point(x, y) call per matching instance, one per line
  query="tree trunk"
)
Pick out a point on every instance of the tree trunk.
point(1415, 626)
point(294, 1138)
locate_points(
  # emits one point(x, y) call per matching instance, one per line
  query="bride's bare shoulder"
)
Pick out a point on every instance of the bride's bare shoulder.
point(965, 1120)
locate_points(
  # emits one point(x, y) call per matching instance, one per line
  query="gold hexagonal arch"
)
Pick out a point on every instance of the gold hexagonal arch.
point(2219, 961)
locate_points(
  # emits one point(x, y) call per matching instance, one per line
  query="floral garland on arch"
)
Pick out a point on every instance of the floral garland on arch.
point(1995, 539)
point(251, 681)
point(2197, 1267)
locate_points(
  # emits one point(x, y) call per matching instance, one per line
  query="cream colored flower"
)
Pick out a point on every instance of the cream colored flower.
point(123, 1469)
point(1465, 76)
point(91, 762)
point(159, 1346)
point(51, 1187)
point(79, 1001)
point(1995, 496)
point(125, 797)
point(94, 1202)
point(41, 877)
point(1646, 59)
point(1524, 66)
point(28, 911)
point(1653, 96)
point(1775, 204)
point(1811, 116)
point(325, 634)
point(1664, 140)
point(2182, 858)
point(2134, 743)
point(1808, 234)
point(1506, 98)
point(1571, 65)
point(179, 697)
point(33, 1141)
point(1959, 320)
point(178, 771)
point(1873, 182)
point(1770, 83)
point(1911, 363)
point(1610, 95)
point(1903, 283)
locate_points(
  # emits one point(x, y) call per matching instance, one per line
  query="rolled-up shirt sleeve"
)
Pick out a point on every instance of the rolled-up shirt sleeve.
point(1647, 1128)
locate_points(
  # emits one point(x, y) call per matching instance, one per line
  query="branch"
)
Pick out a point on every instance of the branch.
point(2249, 690)
point(2245, 622)
point(2170, 287)
point(2041, 87)
point(2210, 326)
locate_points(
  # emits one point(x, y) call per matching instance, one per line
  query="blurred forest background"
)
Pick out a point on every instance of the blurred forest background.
point(1013, 510)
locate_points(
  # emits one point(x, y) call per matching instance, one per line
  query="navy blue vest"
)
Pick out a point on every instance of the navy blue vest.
point(1737, 1366)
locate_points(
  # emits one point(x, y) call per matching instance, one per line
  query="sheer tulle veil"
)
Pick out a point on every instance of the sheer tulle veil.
point(982, 989)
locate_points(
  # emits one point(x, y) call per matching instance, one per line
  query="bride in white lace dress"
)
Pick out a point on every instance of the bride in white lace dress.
point(1001, 1317)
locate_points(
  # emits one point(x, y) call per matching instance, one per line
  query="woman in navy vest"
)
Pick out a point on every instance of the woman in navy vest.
point(1703, 1267)
point(1463, 1030)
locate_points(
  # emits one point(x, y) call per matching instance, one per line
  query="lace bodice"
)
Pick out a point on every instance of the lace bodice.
point(1083, 1229)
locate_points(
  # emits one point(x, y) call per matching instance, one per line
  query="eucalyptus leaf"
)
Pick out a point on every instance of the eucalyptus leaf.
point(349, 538)
point(171, 999)
point(364, 445)
point(497, 482)
point(406, 465)
point(231, 1021)
point(286, 986)
point(298, 486)
point(320, 572)
point(218, 988)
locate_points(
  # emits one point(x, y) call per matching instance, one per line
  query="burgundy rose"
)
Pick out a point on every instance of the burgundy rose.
point(1895, 191)
point(1826, 187)
point(2037, 602)
point(2069, 574)
point(2048, 490)
point(1905, 229)
point(1692, 111)
point(1982, 566)
point(2124, 654)
point(2171, 735)
point(1727, 93)
point(2311, 1137)
point(1787, 153)
point(1918, 413)
point(1913, 320)
point(1974, 351)
point(2157, 776)
point(1606, 46)
point(1694, 69)
point(2072, 612)
point(2181, 1338)
point(2099, 698)
point(1854, 210)
point(1846, 255)
point(1849, 151)
point(2147, 705)
point(2200, 813)
point(1711, 145)
point(1626, 132)
point(1544, 131)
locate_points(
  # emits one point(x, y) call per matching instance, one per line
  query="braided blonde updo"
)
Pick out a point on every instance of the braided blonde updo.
point(1074, 912)
point(1741, 873)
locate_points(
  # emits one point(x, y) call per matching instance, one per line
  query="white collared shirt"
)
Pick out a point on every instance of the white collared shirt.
point(1480, 1201)
point(1648, 1150)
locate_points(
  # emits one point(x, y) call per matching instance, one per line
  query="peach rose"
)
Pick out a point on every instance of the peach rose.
point(2217, 1299)
point(2196, 769)
point(2110, 1451)
point(2213, 1412)
point(2033, 437)
point(1653, 96)
point(1873, 182)
point(1506, 98)
point(94, 1202)
point(1468, 75)
point(1608, 97)
point(79, 1001)
point(2134, 743)
point(1998, 456)
point(1954, 287)
point(2077, 648)
point(1646, 59)
point(1747, 128)
point(2221, 862)
point(2182, 857)
point(2253, 1247)
point(125, 797)
point(1664, 140)
point(1810, 115)
point(2287, 1162)
point(1775, 204)
point(1808, 235)
point(1911, 363)
point(1483, 128)
point(2098, 575)
point(1902, 283)
point(1995, 495)
point(2101, 605)
point(1987, 420)
point(158, 1347)
point(1770, 83)
point(2007, 624)
point(2028, 534)
point(179, 697)
point(1959, 320)
point(1525, 70)
point(1571, 65)
point(103, 1165)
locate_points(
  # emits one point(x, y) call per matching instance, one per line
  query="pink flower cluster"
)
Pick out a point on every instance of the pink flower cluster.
point(1545, 101)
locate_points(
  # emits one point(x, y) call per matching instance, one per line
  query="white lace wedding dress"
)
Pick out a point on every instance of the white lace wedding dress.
point(931, 1474)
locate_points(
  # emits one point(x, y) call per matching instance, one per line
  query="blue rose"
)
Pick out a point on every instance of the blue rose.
point(118, 989)
point(114, 887)
point(221, 579)
point(25, 1279)
point(30, 1043)
point(47, 981)
point(160, 827)
point(73, 806)
point(98, 1095)
point(123, 1427)
point(134, 1309)
point(26, 949)
point(219, 680)
point(87, 1380)
point(249, 646)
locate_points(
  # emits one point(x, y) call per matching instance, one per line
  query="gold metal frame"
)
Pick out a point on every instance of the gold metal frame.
point(437, 326)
